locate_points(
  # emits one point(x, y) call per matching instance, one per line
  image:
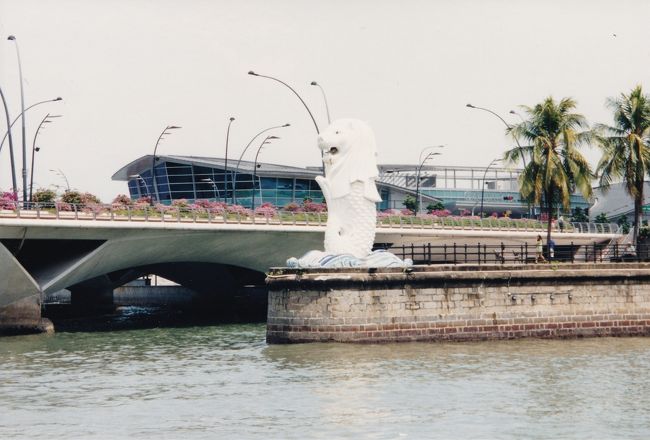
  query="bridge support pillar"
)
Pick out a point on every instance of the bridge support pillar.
point(20, 298)
point(92, 296)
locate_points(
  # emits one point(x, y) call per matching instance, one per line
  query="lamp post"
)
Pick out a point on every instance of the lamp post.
point(225, 166)
point(35, 149)
point(17, 117)
point(244, 151)
point(22, 119)
point(167, 130)
point(303, 103)
point(11, 142)
point(523, 159)
point(327, 107)
point(417, 176)
point(483, 182)
point(137, 176)
point(60, 173)
point(265, 141)
point(214, 187)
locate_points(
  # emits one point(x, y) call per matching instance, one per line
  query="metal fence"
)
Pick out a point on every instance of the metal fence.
point(238, 215)
point(519, 254)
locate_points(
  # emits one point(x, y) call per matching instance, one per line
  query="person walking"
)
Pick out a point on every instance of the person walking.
point(551, 249)
point(539, 250)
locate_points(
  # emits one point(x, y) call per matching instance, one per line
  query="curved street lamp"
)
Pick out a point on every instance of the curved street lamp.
point(250, 72)
point(494, 161)
point(327, 107)
point(18, 117)
point(225, 171)
point(167, 130)
point(523, 159)
point(35, 149)
point(60, 173)
point(11, 143)
point(265, 141)
point(417, 175)
point(22, 119)
point(214, 187)
point(244, 151)
point(146, 187)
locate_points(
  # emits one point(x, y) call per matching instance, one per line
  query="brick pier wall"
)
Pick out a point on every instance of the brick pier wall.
point(433, 303)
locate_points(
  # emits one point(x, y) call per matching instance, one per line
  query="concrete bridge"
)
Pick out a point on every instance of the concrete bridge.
point(92, 253)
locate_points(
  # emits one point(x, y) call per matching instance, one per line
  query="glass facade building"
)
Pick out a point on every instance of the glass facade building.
point(197, 178)
point(458, 188)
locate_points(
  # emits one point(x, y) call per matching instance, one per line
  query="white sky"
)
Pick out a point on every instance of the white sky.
point(126, 68)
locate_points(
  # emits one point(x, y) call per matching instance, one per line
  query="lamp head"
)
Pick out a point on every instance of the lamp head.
point(250, 72)
point(273, 137)
point(37, 149)
point(173, 127)
point(314, 83)
point(512, 112)
point(11, 38)
point(287, 125)
point(232, 119)
point(58, 98)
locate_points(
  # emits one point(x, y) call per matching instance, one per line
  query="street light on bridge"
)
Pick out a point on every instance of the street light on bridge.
point(508, 126)
point(327, 107)
point(244, 151)
point(137, 176)
point(266, 141)
point(494, 161)
point(214, 187)
point(46, 120)
point(167, 130)
point(225, 166)
point(421, 162)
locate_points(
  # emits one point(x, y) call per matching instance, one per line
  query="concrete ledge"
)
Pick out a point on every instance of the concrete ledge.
point(432, 303)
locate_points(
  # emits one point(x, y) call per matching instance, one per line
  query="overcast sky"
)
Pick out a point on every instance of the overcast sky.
point(126, 68)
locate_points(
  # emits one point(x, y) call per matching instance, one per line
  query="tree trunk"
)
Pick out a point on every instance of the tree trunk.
point(638, 203)
point(549, 204)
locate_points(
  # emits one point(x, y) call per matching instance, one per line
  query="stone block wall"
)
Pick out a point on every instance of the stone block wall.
point(458, 303)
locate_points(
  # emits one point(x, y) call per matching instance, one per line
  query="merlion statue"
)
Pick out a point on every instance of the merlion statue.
point(350, 158)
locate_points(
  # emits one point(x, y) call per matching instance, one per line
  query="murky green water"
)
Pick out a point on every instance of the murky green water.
point(219, 382)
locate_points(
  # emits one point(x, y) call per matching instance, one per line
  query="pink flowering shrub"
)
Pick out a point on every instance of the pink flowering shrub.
point(406, 212)
point(238, 209)
point(292, 207)
point(64, 206)
point(180, 203)
point(8, 200)
point(440, 213)
point(266, 210)
point(310, 206)
point(162, 208)
point(121, 201)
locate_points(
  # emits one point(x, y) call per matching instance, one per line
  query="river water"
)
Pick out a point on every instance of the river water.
point(223, 381)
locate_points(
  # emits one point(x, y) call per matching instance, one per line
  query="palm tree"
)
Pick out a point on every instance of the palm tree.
point(626, 147)
point(553, 134)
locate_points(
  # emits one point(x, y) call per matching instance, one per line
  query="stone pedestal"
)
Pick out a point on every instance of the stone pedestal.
point(460, 303)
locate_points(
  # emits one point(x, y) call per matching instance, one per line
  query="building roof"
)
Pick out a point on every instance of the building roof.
point(264, 169)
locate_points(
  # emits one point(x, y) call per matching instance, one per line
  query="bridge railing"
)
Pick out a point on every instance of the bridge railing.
point(241, 215)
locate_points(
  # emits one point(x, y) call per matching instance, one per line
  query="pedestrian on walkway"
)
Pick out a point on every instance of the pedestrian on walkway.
point(539, 250)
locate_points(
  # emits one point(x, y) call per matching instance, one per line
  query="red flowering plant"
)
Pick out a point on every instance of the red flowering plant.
point(8, 200)
point(121, 201)
point(309, 206)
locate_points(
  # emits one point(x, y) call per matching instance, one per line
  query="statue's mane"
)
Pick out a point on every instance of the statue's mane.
point(358, 163)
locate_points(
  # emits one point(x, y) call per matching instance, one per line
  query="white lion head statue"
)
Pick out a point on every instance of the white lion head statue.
point(350, 155)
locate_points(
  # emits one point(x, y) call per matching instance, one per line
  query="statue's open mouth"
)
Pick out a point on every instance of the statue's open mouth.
point(333, 150)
